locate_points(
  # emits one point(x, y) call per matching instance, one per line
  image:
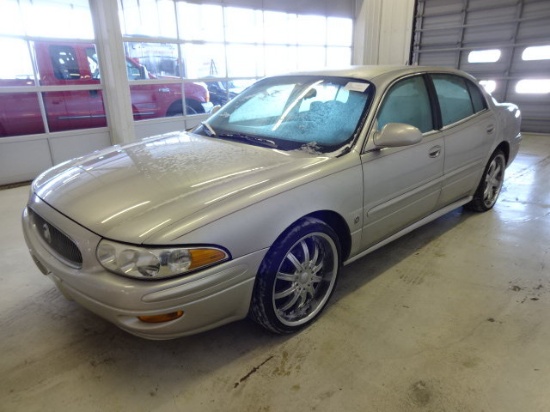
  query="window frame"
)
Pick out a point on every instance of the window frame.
point(431, 95)
point(468, 85)
point(433, 99)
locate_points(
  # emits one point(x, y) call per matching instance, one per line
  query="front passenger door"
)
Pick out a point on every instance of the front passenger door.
point(401, 184)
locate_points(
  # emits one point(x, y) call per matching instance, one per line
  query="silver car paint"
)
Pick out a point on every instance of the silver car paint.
point(120, 299)
point(146, 184)
point(396, 196)
point(209, 298)
point(186, 189)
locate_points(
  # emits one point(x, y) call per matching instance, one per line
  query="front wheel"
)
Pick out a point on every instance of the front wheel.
point(176, 109)
point(297, 277)
point(490, 186)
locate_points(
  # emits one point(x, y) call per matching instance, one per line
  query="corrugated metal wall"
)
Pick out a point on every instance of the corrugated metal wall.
point(447, 31)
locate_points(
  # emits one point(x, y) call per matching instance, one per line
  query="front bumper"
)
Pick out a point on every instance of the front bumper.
point(208, 298)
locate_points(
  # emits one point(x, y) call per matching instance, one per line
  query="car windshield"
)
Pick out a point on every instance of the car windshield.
point(293, 112)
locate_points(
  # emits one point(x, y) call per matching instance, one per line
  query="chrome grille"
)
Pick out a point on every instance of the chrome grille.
point(58, 243)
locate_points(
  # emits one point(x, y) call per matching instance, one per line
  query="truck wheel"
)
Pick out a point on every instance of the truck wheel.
point(193, 107)
point(176, 109)
point(297, 277)
point(190, 110)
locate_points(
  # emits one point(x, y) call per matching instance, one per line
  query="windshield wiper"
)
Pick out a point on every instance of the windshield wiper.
point(251, 139)
point(210, 131)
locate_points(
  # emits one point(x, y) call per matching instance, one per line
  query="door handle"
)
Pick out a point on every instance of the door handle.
point(490, 129)
point(435, 151)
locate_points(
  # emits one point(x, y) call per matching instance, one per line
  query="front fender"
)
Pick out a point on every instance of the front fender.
point(257, 226)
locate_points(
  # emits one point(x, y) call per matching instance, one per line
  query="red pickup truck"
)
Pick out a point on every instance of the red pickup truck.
point(65, 63)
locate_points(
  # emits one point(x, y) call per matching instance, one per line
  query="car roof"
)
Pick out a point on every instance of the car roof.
point(378, 74)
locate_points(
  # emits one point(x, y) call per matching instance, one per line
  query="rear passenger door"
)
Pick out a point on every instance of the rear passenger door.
point(468, 129)
point(401, 184)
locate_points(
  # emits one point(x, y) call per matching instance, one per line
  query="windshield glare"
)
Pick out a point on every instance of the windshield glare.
point(297, 111)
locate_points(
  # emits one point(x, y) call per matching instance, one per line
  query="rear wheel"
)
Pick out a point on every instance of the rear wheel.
point(490, 186)
point(297, 277)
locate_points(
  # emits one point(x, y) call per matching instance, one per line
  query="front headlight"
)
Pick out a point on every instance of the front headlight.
point(156, 263)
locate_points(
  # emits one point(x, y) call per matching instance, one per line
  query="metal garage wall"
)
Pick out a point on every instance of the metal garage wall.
point(446, 31)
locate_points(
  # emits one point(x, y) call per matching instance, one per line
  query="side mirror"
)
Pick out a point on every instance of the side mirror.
point(397, 135)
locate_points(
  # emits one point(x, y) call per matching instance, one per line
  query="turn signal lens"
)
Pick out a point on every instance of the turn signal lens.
point(165, 317)
point(205, 257)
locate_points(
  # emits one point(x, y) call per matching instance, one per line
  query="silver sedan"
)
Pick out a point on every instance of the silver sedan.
point(255, 211)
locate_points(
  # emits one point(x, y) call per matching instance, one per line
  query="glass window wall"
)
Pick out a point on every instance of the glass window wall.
point(222, 49)
point(182, 58)
point(48, 80)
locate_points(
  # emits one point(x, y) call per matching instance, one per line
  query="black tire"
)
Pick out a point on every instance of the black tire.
point(489, 187)
point(297, 277)
point(193, 107)
point(176, 109)
point(190, 110)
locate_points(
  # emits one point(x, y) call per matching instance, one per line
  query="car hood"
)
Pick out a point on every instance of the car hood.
point(132, 192)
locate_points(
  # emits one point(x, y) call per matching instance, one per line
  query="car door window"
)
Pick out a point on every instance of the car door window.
point(65, 64)
point(454, 98)
point(407, 102)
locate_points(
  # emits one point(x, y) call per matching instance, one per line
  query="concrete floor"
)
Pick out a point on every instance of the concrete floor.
point(453, 317)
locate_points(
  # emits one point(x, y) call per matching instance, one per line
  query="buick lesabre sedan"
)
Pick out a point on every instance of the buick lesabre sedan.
point(255, 211)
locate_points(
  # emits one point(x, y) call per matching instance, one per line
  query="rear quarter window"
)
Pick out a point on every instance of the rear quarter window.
point(478, 100)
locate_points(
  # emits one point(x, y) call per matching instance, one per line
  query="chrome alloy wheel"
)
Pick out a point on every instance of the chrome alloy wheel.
point(494, 178)
point(305, 279)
